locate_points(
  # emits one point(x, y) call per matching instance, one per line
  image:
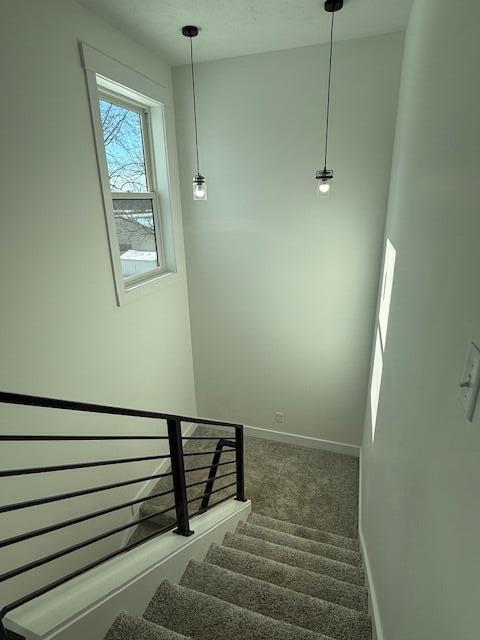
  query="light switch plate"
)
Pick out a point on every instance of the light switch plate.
point(470, 382)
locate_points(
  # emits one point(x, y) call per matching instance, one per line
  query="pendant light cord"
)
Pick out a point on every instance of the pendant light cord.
point(329, 88)
point(194, 105)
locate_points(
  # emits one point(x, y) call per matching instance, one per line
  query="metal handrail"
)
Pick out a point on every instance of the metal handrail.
point(224, 475)
point(207, 494)
point(7, 575)
point(222, 444)
point(81, 492)
point(77, 465)
point(87, 516)
point(5, 634)
point(32, 438)
point(56, 403)
point(209, 466)
point(178, 473)
point(200, 511)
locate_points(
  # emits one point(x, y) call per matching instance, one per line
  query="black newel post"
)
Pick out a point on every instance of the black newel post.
point(240, 456)
point(178, 477)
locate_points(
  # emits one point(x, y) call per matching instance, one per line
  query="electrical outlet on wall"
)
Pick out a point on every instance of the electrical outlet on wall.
point(279, 417)
point(470, 382)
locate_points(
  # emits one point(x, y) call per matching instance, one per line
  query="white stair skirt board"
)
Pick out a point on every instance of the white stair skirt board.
point(87, 606)
point(372, 595)
point(303, 441)
point(373, 607)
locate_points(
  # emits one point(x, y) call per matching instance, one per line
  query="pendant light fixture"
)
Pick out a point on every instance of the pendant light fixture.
point(199, 184)
point(324, 176)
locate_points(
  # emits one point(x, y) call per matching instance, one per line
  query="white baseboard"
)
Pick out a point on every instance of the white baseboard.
point(303, 441)
point(373, 607)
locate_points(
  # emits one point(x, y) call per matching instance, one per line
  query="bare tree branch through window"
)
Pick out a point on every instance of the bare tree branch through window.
point(127, 173)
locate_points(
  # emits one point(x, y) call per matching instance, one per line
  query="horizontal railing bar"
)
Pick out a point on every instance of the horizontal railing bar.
point(210, 506)
point(67, 523)
point(78, 572)
point(209, 493)
point(80, 492)
point(202, 437)
point(31, 438)
point(206, 453)
point(210, 466)
point(56, 403)
point(76, 547)
point(77, 465)
point(195, 484)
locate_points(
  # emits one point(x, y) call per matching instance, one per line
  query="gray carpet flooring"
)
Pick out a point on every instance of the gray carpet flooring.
point(319, 488)
point(291, 572)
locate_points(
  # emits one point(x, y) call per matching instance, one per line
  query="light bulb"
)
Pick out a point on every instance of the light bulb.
point(199, 187)
point(324, 188)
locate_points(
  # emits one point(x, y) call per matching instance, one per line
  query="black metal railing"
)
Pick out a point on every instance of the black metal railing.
point(176, 456)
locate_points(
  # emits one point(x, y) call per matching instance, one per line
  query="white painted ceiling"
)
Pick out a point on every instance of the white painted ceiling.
point(235, 28)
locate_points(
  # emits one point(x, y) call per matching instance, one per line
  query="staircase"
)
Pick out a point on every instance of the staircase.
point(188, 483)
point(270, 580)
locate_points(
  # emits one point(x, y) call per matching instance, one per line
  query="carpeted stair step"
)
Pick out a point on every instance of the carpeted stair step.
point(162, 520)
point(148, 528)
point(296, 558)
point(140, 532)
point(204, 617)
point(303, 532)
point(277, 602)
point(303, 544)
point(127, 627)
point(300, 580)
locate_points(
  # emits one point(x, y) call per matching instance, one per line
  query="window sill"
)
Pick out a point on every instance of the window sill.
point(146, 287)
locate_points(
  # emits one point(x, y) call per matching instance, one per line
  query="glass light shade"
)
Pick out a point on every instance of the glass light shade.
point(324, 182)
point(199, 187)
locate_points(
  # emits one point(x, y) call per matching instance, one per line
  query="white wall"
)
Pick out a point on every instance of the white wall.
point(283, 284)
point(62, 334)
point(421, 476)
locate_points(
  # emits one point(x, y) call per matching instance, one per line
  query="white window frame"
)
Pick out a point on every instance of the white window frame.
point(107, 78)
point(150, 176)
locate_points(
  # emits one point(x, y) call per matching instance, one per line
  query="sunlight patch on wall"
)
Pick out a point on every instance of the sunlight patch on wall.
point(382, 326)
point(387, 284)
point(376, 382)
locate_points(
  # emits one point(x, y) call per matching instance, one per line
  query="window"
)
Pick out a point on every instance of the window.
point(126, 138)
point(128, 115)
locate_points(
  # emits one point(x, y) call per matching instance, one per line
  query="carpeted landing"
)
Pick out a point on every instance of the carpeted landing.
point(276, 577)
point(270, 580)
point(319, 488)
